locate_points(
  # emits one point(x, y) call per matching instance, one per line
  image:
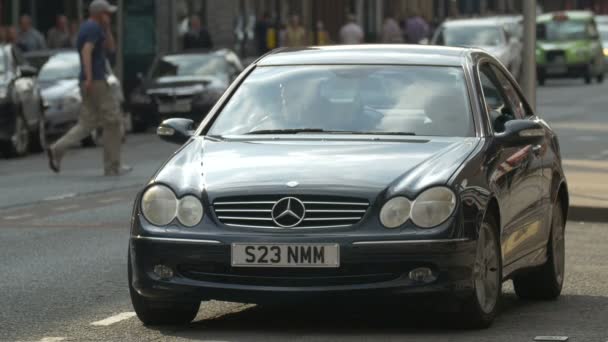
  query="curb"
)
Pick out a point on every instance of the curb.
point(588, 214)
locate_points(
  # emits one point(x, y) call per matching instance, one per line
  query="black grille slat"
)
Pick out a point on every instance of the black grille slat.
point(321, 211)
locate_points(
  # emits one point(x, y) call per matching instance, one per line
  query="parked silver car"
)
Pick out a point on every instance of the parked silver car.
point(59, 80)
point(492, 34)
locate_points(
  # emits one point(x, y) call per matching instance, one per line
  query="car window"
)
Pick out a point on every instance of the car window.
point(520, 108)
point(419, 100)
point(474, 36)
point(498, 105)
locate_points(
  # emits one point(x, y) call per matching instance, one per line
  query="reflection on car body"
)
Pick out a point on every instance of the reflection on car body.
point(387, 162)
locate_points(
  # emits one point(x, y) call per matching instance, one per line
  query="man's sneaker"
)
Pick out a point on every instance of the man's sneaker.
point(123, 170)
point(53, 162)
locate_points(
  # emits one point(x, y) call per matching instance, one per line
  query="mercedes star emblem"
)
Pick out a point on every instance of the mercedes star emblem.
point(288, 212)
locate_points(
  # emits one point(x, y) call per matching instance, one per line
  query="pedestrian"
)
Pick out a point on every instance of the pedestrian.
point(351, 32)
point(3, 35)
point(74, 28)
point(99, 107)
point(58, 36)
point(198, 37)
point(416, 28)
point(322, 34)
point(391, 32)
point(29, 38)
point(262, 26)
point(296, 35)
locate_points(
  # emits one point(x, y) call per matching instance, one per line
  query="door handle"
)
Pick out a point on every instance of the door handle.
point(537, 149)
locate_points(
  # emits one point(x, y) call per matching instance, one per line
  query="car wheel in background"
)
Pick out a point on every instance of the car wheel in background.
point(588, 75)
point(600, 78)
point(546, 282)
point(19, 143)
point(38, 141)
point(153, 312)
point(481, 307)
point(541, 80)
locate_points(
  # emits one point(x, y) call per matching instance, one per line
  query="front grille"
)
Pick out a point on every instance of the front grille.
point(320, 211)
point(553, 55)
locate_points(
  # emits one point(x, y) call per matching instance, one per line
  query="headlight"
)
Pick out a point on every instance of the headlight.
point(159, 205)
point(395, 212)
point(433, 207)
point(190, 211)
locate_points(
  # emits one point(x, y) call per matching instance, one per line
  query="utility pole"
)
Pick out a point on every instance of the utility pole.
point(529, 68)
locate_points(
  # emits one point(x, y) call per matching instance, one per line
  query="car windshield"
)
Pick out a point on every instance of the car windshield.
point(349, 99)
point(563, 30)
point(603, 30)
point(60, 67)
point(472, 36)
point(191, 65)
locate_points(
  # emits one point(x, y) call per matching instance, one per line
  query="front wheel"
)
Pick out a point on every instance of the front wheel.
point(546, 282)
point(480, 308)
point(153, 313)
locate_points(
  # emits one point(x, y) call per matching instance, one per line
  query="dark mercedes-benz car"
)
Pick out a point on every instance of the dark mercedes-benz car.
point(21, 108)
point(360, 170)
point(183, 85)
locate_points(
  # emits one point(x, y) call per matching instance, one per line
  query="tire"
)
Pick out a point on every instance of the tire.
point(541, 81)
point(600, 78)
point(19, 144)
point(588, 75)
point(546, 282)
point(38, 140)
point(481, 307)
point(155, 313)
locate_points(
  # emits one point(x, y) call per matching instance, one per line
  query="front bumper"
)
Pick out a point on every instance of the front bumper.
point(202, 268)
point(568, 71)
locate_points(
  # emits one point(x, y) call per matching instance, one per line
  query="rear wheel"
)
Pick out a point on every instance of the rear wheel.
point(19, 143)
point(153, 312)
point(588, 75)
point(600, 78)
point(480, 308)
point(546, 282)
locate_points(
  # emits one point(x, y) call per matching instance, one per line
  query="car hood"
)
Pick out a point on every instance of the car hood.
point(361, 168)
point(182, 85)
point(58, 89)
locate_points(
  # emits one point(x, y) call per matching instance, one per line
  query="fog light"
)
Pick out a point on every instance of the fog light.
point(422, 275)
point(163, 272)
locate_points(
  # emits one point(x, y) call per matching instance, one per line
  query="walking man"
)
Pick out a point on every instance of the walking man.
point(99, 107)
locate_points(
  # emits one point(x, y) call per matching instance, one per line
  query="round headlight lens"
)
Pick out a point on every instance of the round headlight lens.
point(395, 212)
point(433, 207)
point(190, 211)
point(159, 205)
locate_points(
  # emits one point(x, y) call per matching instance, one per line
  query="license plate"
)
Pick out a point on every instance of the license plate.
point(286, 255)
point(177, 107)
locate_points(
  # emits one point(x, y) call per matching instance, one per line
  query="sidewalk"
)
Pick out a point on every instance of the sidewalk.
point(588, 187)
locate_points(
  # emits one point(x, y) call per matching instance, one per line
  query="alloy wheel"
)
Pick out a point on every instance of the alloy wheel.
point(486, 270)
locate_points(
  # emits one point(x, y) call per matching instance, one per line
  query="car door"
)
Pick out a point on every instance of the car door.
point(516, 170)
point(27, 90)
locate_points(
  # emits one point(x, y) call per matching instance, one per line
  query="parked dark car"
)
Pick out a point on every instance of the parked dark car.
point(183, 85)
point(374, 170)
point(59, 81)
point(21, 112)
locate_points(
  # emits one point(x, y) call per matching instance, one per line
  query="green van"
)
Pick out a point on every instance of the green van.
point(569, 46)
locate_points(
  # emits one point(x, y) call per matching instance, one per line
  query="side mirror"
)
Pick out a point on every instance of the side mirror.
point(176, 131)
point(521, 132)
point(28, 71)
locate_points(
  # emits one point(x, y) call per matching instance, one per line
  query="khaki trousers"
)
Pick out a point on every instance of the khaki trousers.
point(99, 109)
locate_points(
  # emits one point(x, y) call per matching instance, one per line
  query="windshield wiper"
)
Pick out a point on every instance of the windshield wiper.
point(320, 130)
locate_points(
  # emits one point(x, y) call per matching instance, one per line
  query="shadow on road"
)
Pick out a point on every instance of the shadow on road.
point(519, 321)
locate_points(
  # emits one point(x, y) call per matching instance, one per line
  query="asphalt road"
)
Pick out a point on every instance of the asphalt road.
point(63, 243)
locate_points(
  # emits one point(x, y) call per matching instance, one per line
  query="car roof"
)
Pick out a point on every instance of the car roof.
point(399, 54)
point(490, 21)
point(574, 15)
point(202, 52)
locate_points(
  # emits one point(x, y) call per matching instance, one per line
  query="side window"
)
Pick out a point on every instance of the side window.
point(516, 102)
point(497, 104)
